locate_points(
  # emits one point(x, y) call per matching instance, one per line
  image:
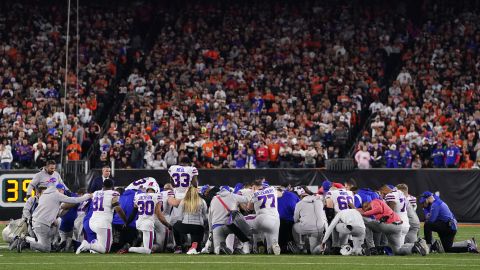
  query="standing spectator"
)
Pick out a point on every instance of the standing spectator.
point(251, 162)
point(452, 155)
point(417, 162)
point(137, 155)
point(438, 156)
point(240, 157)
point(273, 151)
point(392, 156)
point(25, 153)
point(74, 150)
point(310, 157)
point(171, 156)
point(405, 160)
point(362, 157)
point(6, 157)
point(262, 155)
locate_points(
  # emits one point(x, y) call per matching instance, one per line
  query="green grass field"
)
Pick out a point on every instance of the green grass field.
point(69, 261)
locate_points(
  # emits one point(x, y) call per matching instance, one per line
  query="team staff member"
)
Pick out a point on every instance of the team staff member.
point(97, 182)
point(45, 216)
point(287, 201)
point(439, 218)
point(388, 222)
point(218, 217)
point(47, 176)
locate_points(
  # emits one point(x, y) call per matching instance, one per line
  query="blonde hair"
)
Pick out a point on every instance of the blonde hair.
point(192, 201)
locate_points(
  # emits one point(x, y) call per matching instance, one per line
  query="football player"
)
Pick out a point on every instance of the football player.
point(182, 177)
point(348, 222)
point(267, 220)
point(147, 205)
point(397, 201)
point(104, 203)
point(412, 235)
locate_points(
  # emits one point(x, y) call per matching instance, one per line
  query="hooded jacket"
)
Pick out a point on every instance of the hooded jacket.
point(217, 214)
point(49, 205)
point(309, 212)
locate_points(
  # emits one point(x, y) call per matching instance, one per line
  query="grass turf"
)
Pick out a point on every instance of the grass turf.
point(12, 260)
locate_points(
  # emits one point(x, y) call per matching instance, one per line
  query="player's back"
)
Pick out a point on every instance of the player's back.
point(400, 204)
point(181, 178)
point(102, 207)
point(145, 203)
point(341, 199)
point(166, 208)
point(265, 201)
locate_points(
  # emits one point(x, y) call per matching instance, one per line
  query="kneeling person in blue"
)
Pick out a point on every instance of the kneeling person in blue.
point(439, 218)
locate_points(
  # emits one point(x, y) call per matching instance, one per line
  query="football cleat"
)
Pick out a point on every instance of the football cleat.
point(472, 246)
point(224, 249)
point(276, 249)
point(418, 248)
point(82, 247)
point(193, 249)
point(437, 247)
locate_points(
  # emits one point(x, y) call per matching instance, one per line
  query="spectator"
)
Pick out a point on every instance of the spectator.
point(6, 157)
point(171, 156)
point(240, 157)
point(74, 150)
point(262, 156)
point(362, 158)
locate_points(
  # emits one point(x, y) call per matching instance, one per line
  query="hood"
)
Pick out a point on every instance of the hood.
point(50, 189)
point(309, 199)
point(223, 193)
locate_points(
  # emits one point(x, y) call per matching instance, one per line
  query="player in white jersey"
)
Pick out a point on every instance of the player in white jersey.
point(267, 220)
point(348, 222)
point(339, 199)
point(397, 201)
point(182, 177)
point(143, 183)
point(336, 200)
point(148, 205)
point(412, 235)
point(104, 202)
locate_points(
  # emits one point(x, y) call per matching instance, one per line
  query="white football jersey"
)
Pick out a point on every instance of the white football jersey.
point(143, 183)
point(265, 202)
point(400, 205)
point(145, 203)
point(341, 198)
point(166, 208)
point(413, 201)
point(82, 209)
point(181, 178)
point(102, 208)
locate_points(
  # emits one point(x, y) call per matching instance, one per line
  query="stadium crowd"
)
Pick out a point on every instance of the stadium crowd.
point(431, 116)
point(240, 86)
point(32, 76)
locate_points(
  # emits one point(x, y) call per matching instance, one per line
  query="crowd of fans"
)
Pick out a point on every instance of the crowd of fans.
point(32, 77)
point(251, 86)
point(431, 117)
point(229, 85)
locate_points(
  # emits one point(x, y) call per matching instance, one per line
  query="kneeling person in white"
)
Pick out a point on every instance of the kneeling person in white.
point(347, 222)
point(267, 220)
point(147, 205)
point(104, 202)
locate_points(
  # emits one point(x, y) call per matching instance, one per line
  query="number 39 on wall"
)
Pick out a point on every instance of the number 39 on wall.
point(13, 188)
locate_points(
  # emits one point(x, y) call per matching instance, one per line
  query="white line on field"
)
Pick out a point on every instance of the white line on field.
point(245, 263)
